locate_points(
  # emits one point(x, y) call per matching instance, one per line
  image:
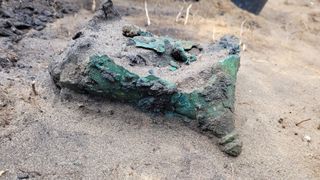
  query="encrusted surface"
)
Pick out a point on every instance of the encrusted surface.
point(176, 77)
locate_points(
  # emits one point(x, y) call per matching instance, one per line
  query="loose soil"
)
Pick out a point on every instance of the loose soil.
point(63, 135)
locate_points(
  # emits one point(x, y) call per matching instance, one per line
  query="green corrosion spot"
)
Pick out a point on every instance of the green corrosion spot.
point(156, 44)
point(109, 79)
point(177, 49)
point(187, 104)
point(231, 65)
point(213, 105)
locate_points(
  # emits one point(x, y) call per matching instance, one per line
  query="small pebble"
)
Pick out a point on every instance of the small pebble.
point(307, 138)
point(111, 112)
point(152, 72)
point(23, 176)
point(280, 121)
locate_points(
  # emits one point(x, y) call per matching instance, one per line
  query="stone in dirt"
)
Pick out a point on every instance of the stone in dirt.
point(201, 88)
point(8, 59)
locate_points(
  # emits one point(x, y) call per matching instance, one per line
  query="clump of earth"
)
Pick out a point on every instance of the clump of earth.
point(113, 59)
point(17, 17)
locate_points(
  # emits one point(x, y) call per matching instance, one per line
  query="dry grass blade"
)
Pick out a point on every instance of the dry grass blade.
point(298, 123)
point(3, 172)
point(33, 86)
point(232, 172)
point(187, 14)
point(213, 33)
point(241, 31)
point(93, 7)
point(147, 13)
point(179, 14)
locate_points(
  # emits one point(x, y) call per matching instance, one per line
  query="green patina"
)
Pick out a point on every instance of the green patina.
point(215, 97)
point(110, 78)
point(156, 44)
point(114, 81)
point(231, 65)
point(177, 49)
point(173, 66)
point(158, 95)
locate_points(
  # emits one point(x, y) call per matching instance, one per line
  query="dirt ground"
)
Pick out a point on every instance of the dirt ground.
point(62, 135)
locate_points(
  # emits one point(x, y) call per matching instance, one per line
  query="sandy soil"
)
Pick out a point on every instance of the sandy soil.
point(56, 135)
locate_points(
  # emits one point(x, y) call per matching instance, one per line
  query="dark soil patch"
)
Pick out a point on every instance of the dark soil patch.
point(17, 18)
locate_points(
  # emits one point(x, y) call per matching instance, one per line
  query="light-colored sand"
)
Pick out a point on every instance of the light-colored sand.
point(79, 137)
